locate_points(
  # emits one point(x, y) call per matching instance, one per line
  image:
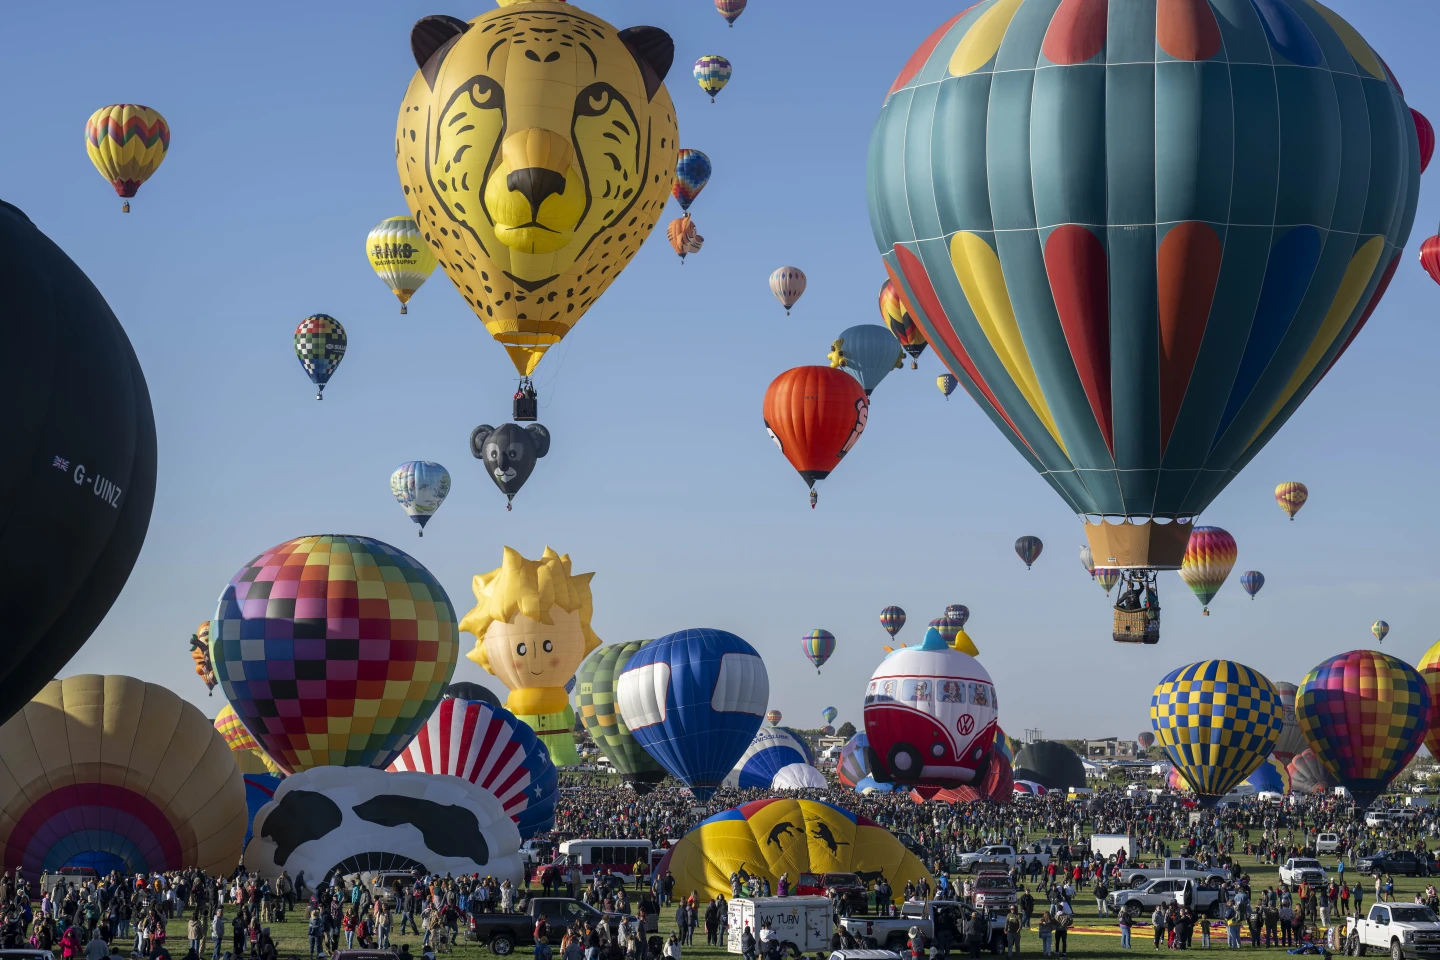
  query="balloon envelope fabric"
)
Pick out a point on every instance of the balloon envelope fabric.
point(773, 749)
point(333, 650)
point(1429, 668)
point(1218, 720)
point(694, 700)
point(1075, 202)
point(854, 763)
point(1271, 776)
point(491, 748)
point(598, 712)
point(766, 838)
point(1365, 714)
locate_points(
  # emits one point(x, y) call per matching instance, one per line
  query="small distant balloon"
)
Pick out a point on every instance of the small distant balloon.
point(959, 613)
point(1107, 577)
point(1209, 558)
point(400, 257)
point(817, 646)
point(868, 352)
point(1425, 133)
point(712, 73)
point(788, 285)
point(1251, 581)
point(1028, 549)
point(683, 238)
point(1087, 559)
point(774, 717)
point(892, 618)
point(127, 143)
point(692, 172)
point(829, 714)
point(947, 384)
point(420, 486)
point(898, 319)
point(1380, 628)
point(1291, 496)
point(731, 9)
point(320, 343)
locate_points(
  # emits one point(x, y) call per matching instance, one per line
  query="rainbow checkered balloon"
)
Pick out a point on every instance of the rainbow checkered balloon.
point(1218, 720)
point(333, 650)
point(1365, 715)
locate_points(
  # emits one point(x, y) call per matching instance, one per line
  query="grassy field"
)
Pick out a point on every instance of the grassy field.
point(1102, 938)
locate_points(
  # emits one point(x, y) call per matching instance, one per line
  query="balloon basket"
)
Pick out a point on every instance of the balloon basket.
point(125, 208)
point(404, 309)
point(1136, 626)
point(527, 404)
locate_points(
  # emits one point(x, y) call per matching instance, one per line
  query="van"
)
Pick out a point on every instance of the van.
point(598, 856)
point(1327, 843)
point(1377, 818)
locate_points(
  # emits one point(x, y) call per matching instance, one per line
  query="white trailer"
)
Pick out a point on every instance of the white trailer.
point(805, 922)
point(1109, 844)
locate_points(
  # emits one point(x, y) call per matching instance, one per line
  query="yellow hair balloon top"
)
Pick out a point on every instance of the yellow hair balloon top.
point(536, 146)
point(127, 142)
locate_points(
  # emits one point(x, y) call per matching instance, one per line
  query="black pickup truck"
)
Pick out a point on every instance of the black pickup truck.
point(1405, 862)
point(503, 932)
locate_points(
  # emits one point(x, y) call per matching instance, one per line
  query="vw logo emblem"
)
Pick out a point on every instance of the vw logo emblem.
point(966, 725)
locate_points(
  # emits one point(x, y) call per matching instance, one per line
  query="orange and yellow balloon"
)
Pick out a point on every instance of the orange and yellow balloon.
point(127, 143)
point(1209, 558)
point(1291, 495)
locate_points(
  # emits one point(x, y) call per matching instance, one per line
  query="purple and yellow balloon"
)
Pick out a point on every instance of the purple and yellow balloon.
point(712, 73)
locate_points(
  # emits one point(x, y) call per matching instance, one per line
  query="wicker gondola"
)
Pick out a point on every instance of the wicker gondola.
point(1136, 626)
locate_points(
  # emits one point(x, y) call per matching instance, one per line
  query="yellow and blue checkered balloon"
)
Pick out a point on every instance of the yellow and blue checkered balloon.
point(1218, 720)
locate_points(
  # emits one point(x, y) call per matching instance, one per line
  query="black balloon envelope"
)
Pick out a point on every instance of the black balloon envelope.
point(509, 453)
point(77, 459)
point(1051, 764)
point(469, 690)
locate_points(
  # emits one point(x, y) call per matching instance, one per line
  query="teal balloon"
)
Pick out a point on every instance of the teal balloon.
point(1140, 238)
point(868, 353)
point(829, 713)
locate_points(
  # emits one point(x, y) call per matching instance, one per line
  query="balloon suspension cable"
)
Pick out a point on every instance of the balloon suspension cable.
point(125, 207)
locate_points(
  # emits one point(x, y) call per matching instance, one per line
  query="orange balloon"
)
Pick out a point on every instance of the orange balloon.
point(683, 238)
point(815, 415)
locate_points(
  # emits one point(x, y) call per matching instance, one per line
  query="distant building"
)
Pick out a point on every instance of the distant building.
point(1110, 747)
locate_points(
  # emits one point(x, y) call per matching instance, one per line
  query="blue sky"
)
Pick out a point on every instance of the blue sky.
point(661, 478)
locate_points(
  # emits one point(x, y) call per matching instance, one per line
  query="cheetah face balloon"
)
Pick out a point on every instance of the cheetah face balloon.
point(537, 147)
point(509, 453)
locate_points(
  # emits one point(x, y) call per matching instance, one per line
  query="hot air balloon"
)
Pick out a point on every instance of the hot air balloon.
point(1002, 743)
point(1430, 257)
point(712, 73)
point(80, 459)
point(683, 238)
point(1271, 776)
point(1380, 628)
point(1429, 669)
point(117, 774)
point(1308, 775)
point(1146, 739)
point(1069, 237)
point(601, 716)
point(127, 143)
point(1051, 764)
point(420, 486)
point(892, 618)
point(366, 619)
point(1292, 738)
point(1291, 496)
point(853, 765)
point(772, 750)
point(818, 645)
point(788, 286)
point(1365, 714)
point(400, 257)
point(692, 172)
point(783, 835)
point(947, 384)
point(997, 786)
point(200, 654)
point(731, 9)
point(815, 415)
point(959, 613)
point(1251, 581)
point(1218, 720)
point(774, 717)
point(930, 716)
point(320, 343)
point(1176, 782)
point(1028, 549)
point(533, 218)
point(829, 714)
point(948, 627)
point(868, 353)
point(1086, 559)
point(491, 748)
point(1209, 558)
point(897, 318)
point(694, 699)
point(1425, 135)
point(1107, 577)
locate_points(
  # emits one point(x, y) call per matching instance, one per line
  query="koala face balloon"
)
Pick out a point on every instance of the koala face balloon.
point(509, 453)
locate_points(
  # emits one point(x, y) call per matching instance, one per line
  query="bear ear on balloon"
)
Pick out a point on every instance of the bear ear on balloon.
point(509, 453)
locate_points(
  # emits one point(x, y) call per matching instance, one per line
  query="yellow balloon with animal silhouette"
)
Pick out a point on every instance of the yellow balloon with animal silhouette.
point(775, 836)
point(536, 146)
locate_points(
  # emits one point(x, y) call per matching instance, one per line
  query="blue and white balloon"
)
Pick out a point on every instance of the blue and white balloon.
point(694, 700)
point(420, 486)
point(772, 750)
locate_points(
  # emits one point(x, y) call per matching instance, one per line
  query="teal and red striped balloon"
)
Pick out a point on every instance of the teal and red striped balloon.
point(1140, 235)
point(1365, 714)
point(817, 645)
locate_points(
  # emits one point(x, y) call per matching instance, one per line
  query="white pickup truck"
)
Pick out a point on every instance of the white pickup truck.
point(1173, 868)
point(1205, 898)
point(998, 854)
point(941, 922)
point(1306, 869)
point(1404, 930)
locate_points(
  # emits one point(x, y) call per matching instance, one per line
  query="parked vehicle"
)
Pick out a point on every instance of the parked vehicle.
point(864, 955)
point(1404, 930)
point(1327, 843)
point(1377, 818)
point(1401, 861)
point(994, 892)
point(1109, 844)
point(503, 932)
point(1205, 898)
point(802, 924)
point(847, 889)
point(997, 854)
point(618, 857)
point(1173, 868)
point(1297, 869)
point(940, 921)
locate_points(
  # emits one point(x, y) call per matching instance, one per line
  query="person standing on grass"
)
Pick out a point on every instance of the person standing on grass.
point(1157, 925)
point(1127, 919)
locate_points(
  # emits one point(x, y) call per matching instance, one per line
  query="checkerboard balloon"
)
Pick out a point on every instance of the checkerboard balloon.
point(1218, 720)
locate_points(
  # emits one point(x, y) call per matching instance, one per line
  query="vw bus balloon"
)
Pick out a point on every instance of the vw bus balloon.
point(930, 716)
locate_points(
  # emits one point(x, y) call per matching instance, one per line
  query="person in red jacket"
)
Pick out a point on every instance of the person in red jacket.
point(70, 944)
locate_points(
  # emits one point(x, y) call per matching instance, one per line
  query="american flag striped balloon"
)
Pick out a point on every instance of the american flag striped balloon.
point(491, 748)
